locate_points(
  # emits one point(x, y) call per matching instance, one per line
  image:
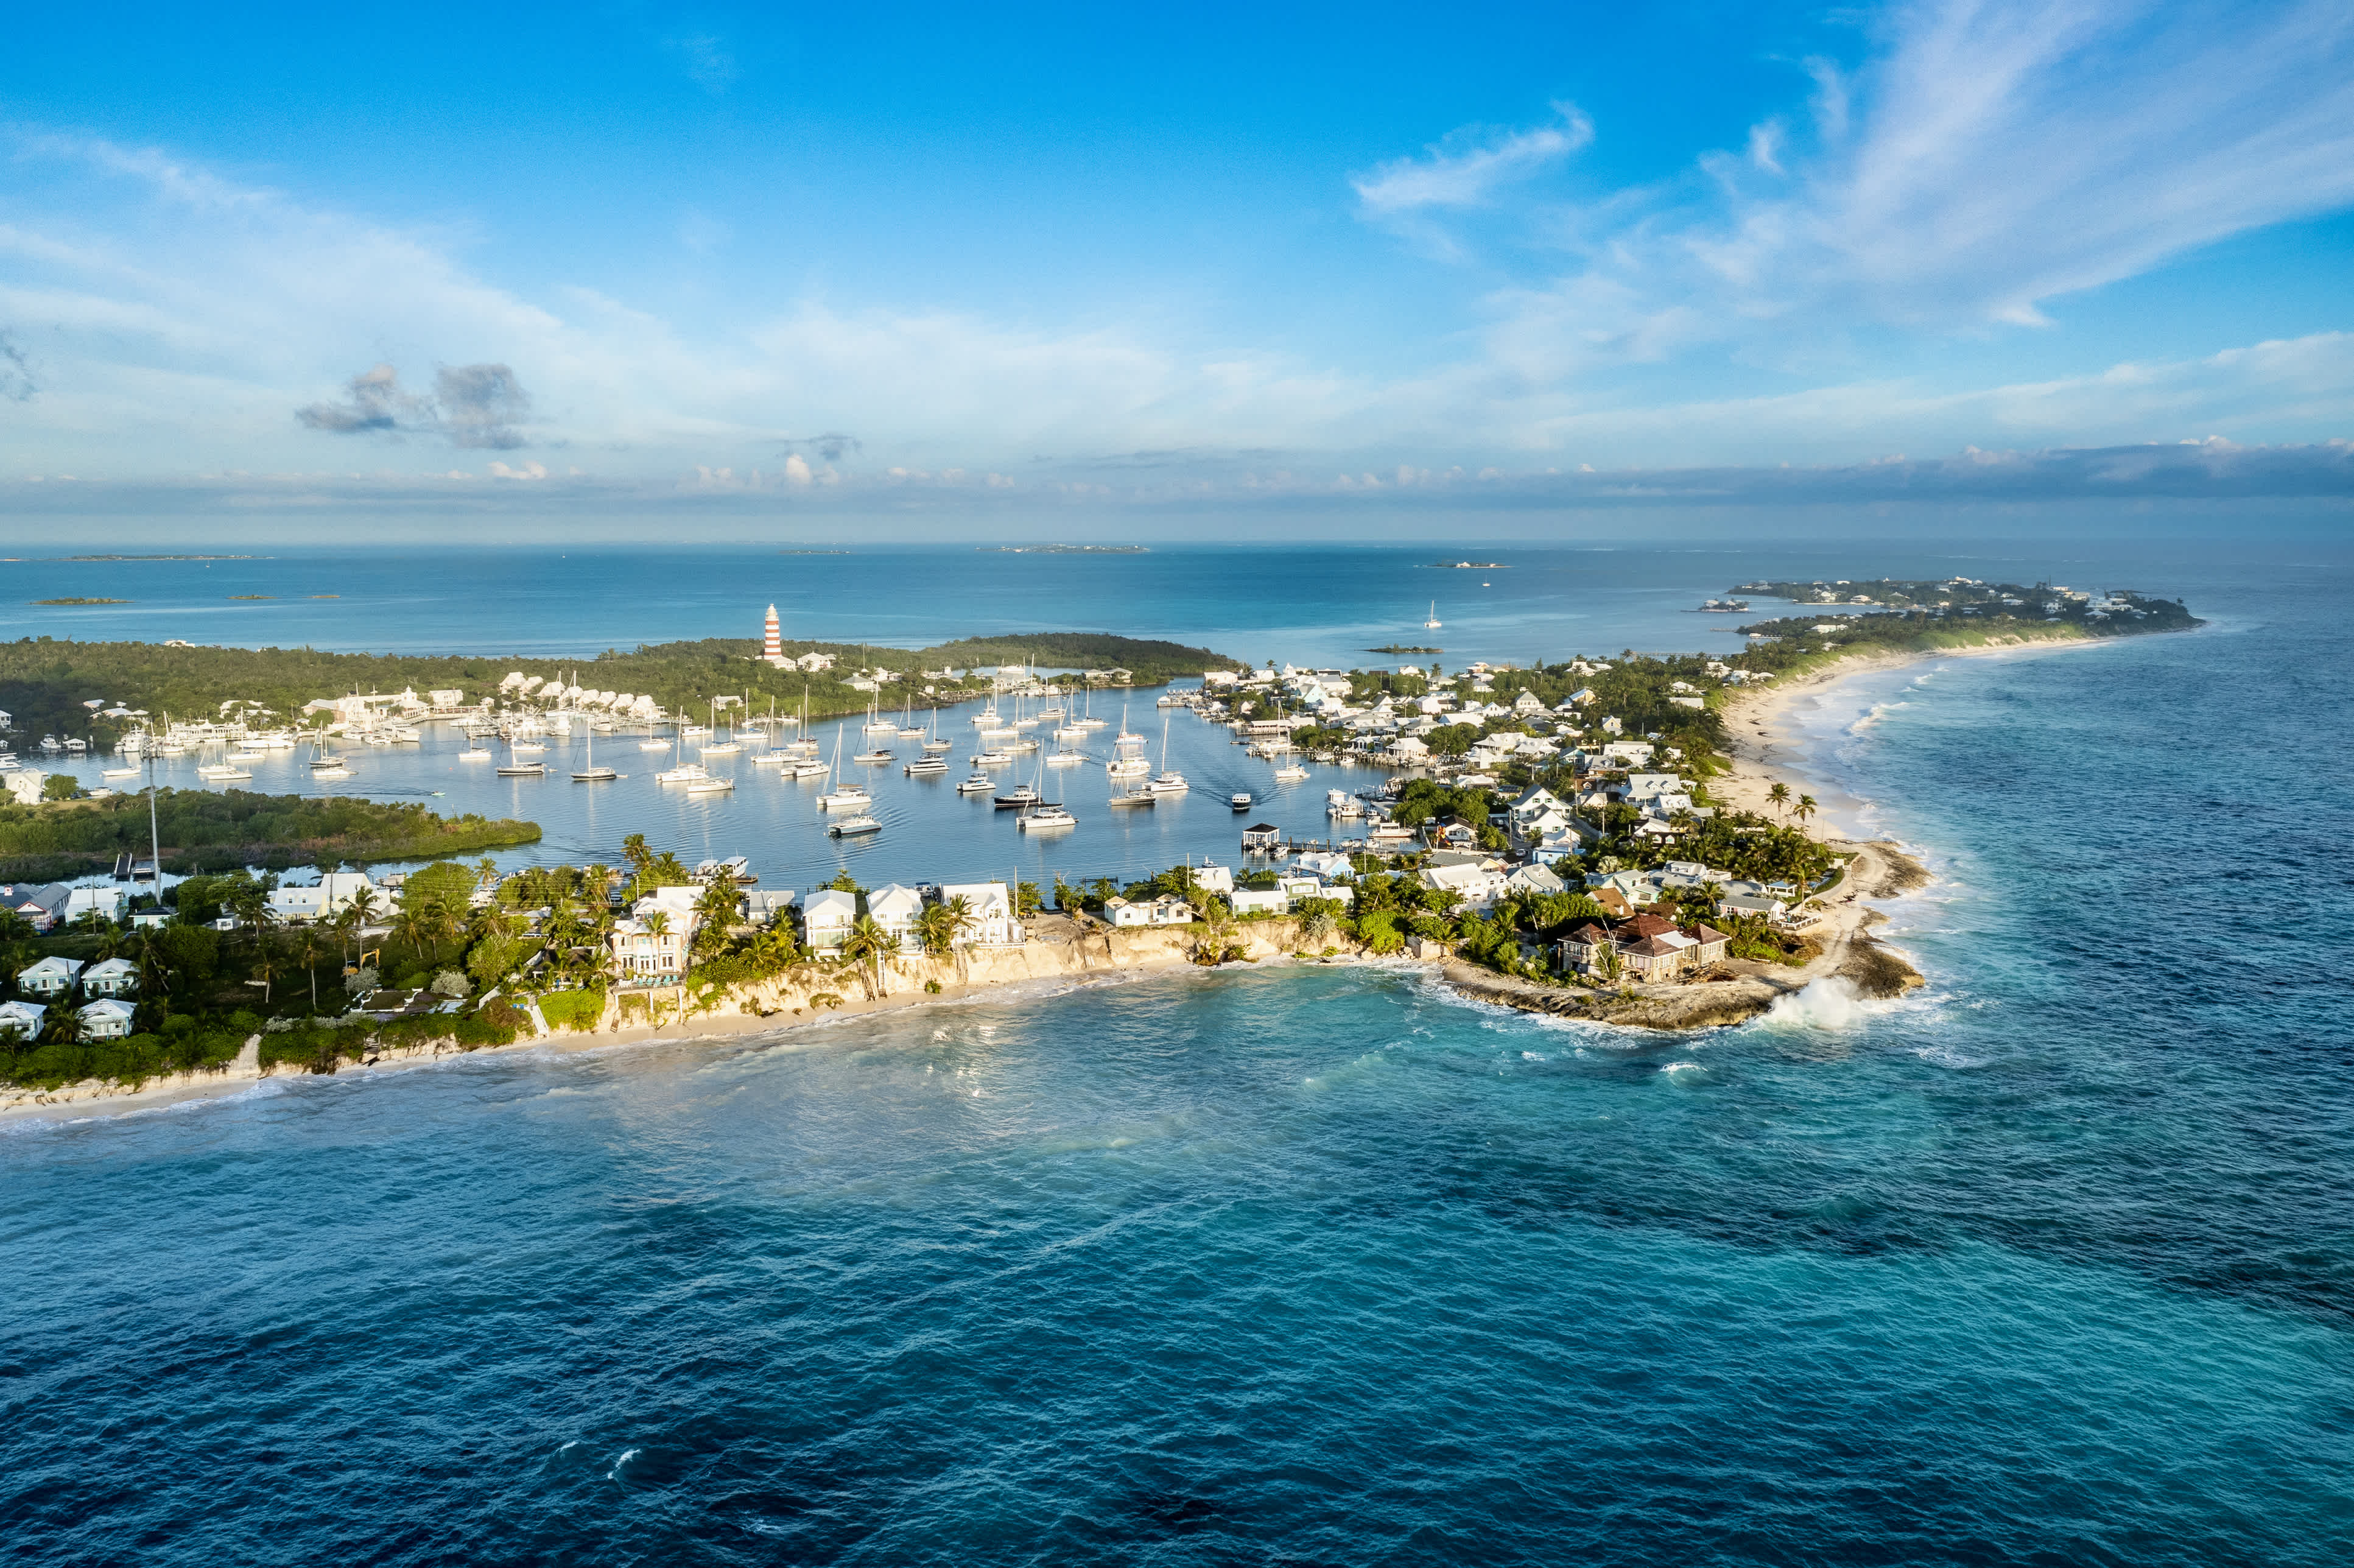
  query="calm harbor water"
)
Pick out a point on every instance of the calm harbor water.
point(2050, 1263)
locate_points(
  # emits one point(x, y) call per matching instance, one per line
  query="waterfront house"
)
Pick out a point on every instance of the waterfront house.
point(1763, 906)
point(110, 976)
point(323, 899)
point(106, 903)
point(763, 907)
point(990, 908)
point(22, 1019)
point(106, 1020)
point(1124, 912)
point(894, 907)
point(52, 977)
point(1296, 888)
point(42, 905)
point(1324, 863)
point(827, 916)
point(642, 958)
point(1260, 901)
point(1647, 948)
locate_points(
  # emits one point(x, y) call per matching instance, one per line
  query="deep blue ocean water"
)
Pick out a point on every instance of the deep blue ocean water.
point(2053, 1262)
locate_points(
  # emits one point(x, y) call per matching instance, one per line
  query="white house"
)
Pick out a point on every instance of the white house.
point(1149, 912)
point(106, 1020)
point(52, 977)
point(110, 976)
point(764, 906)
point(1324, 863)
point(894, 906)
point(1298, 887)
point(1556, 846)
point(642, 957)
point(1212, 878)
point(991, 906)
point(325, 899)
point(25, 785)
point(1478, 886)
point(22, 1019)
point(1535, 879)
point(827, 916)
point(106, 903)
point(1260, 901)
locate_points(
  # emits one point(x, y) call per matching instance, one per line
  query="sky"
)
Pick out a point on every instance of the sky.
point(1036, 266)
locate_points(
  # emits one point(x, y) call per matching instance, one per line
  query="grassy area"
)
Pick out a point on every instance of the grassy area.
point(205, 830)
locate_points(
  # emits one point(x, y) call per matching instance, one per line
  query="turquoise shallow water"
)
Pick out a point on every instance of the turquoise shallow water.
point(2049, 1264)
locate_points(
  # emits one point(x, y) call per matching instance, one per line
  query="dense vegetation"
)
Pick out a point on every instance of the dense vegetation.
point(212, 830)
point(46, 684)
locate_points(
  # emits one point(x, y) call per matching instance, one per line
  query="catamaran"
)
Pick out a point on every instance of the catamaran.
point(978, 784)
point(1046, 819)
point(854, 827)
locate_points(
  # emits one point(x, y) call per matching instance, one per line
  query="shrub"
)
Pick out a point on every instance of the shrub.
point(572, 1009)
point(451, 983)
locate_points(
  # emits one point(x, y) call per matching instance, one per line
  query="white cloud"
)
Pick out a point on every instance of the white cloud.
point(1470, 165)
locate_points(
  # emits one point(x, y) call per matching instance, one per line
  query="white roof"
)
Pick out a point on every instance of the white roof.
point(107, 968)
point(53, 965)
point(894, 901)
point(830, 901)
point(107, 1007)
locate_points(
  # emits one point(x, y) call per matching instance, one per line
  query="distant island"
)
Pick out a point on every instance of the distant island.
point(1920, 613)
point(161, 558)
point(1403, 648)
point(45, 686)
point(80, 602)
point(253, 596)
point(1062, 550)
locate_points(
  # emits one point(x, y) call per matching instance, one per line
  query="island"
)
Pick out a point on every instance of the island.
point(1403, 648)
point(161, 558)
point(1607, 839)
point(80, 602)
point(1064, 549)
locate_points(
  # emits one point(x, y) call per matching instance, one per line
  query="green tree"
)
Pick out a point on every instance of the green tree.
point(869, 947)
point(59, 787)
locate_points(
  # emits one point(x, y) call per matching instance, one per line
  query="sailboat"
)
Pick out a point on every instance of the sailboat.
point(588, 772)
point(720, 746)
point(1432, 624)
point(515, 768)
point(908, 728)
point(875, 723)
point(1126, 737)
point(684, 771)
point(838, 799)
point(935, 746)
point(1087, 719)
point(1167, 782)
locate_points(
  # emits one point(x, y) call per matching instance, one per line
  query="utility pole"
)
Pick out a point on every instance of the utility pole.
point(155, 838)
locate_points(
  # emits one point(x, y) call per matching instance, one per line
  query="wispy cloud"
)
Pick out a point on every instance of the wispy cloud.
point(707, 62)
point(1988, 157)
point(1471, 164)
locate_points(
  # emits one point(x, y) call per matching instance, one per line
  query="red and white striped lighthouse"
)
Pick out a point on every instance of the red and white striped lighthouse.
point(772, 647)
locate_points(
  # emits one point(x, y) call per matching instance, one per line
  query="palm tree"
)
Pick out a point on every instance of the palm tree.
point(868, 945)
point(265, 968)
point(1779, 795)
point(308, 944)
point(936, 928)
point(1805, 809)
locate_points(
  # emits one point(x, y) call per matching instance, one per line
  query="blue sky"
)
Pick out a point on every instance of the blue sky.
point(886, 260)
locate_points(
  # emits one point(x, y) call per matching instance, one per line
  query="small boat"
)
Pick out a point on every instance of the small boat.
point(686, 773)
point(711, 785)
point(991, 759)
point(1169, 784)
point(129, 772)
point(1019, 796)
point(925, 767)
point(1046, 819)
point(522, 769)
point(935, 747)
point(1432, 624)
point(1128, 767)
point(848, 799)
point(724, 748)
point(649, 744)
point(223, 773)
point(1290, 773)
point(337, 771)
point(812, 768)
point(1131, 799)
point(1240, 801)
point(911, 731)
point(524, 746)
point(1066, 758)
point(978, 784)
point(1340, 803)
point(854, 827)
point(876, 756)
point(590, 770)
point(736, 868)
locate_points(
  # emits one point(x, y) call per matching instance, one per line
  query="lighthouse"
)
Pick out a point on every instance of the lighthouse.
point(773, 642)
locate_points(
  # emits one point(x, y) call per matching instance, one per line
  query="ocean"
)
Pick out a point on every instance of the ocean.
point(2052, 1261)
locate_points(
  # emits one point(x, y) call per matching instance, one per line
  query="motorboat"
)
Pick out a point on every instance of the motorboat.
point(925, 767)
point(1128, 767)
point(978, 784)
point(854, 827)
point(1240, 801)
point(812, 769)
point(1046, 819)
point(1340, 803)
point(1019, 796)
point(711, 784)
point(736, 868)
point(991, 759)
